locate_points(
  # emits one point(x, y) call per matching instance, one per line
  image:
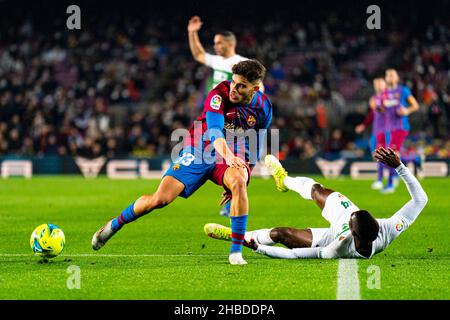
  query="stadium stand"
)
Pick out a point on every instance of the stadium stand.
point(122, 84)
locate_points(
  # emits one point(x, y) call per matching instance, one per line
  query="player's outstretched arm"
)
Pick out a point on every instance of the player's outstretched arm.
point(336, 249)
point(366, 122)
point(410, 211)
point(197, 50)
point(284, 253)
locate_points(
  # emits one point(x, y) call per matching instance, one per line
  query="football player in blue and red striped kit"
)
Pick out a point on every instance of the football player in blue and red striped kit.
point(211, 152)
point(398, 103)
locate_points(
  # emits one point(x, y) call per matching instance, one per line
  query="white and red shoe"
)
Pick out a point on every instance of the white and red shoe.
point(102, 236)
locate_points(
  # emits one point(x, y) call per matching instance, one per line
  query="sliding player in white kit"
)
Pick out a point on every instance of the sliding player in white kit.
point(353, 233)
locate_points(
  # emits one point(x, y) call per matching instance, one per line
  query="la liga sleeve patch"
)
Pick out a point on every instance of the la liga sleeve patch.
point(216, 101)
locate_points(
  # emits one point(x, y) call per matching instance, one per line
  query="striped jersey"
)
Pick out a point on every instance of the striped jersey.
point(393, 100)
point(244, 124)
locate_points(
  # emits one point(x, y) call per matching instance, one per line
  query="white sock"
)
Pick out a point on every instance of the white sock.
point(301, 185)
point(261, 236)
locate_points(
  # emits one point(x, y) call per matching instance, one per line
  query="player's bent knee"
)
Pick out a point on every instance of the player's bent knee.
point(238, 184)
point(161, 201)
point(281, 234)
point(315, 191)
point(274, 234)
point(277, 234)
point(319, 192)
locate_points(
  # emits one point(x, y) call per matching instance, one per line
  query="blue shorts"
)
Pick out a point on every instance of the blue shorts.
point(193, 174)
point(190, 171)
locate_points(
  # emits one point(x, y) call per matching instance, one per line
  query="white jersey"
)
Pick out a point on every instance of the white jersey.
point(337, 241)
point(221, 67)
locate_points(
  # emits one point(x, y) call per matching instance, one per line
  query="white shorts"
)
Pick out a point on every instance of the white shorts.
point(321, 237)
point(337, 211)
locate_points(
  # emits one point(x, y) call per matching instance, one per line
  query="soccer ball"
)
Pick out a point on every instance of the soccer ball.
point(47, 240)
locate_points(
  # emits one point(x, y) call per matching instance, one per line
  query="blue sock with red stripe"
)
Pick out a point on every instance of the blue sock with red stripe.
point(238, 228)
point(125, 217)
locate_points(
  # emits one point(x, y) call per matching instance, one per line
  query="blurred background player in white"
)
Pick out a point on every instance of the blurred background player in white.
point(353, 233)
point(225, 43)
point(377, 118)
point(225, 48)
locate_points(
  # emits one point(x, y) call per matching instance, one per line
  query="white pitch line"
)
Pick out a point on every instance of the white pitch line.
point(348, 280)
point(112, 255)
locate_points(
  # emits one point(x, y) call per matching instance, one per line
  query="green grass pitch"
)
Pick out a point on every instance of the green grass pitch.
point(166, 255)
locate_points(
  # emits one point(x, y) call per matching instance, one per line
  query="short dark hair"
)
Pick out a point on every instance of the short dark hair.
point(252, 70)
point(227, 34)
point(364, 225)
point(391, 69)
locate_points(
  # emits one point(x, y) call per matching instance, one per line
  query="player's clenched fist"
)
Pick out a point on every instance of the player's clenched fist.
point(194, 24)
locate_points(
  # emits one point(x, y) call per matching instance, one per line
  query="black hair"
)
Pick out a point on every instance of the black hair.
point(252, 70)
point(365, 226)
point(227, 34)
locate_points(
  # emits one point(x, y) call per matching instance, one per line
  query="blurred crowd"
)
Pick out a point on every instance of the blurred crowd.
point(119, 87)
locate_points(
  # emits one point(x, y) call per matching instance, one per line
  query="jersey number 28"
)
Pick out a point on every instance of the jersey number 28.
point(185, 159)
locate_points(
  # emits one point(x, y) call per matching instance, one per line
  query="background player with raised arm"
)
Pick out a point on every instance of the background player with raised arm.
point(377, 118)
point(232, 106)
point(399, 103)
point(353, 233)
point(225, 48)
